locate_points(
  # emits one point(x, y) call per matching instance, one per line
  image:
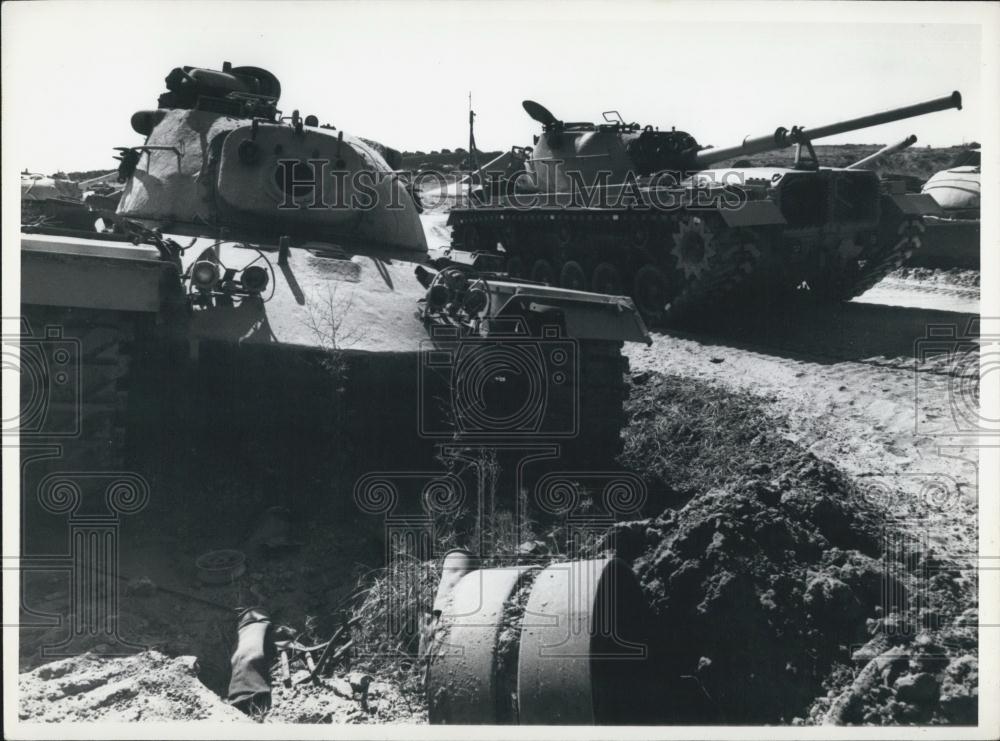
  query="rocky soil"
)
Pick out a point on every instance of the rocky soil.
point(784, 590)
point(151, 686)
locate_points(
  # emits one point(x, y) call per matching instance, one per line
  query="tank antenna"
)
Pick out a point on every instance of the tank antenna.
point(473, 162)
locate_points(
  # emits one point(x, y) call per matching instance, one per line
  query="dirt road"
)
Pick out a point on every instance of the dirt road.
point(860, 388)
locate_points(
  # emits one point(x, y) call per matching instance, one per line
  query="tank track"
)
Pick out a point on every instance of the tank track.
point(697, 259)
point(671, 263)
point(732, 265)
point(74, 382)
point(602, 403)
point(874, 262)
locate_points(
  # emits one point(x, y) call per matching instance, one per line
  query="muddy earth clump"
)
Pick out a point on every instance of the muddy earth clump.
point(775, 589)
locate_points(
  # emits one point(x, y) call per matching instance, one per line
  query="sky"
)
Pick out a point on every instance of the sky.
point(74, 72)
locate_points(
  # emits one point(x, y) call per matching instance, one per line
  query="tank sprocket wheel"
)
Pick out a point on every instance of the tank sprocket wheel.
point(573, 276)
point(542, 271)
point(729, 261)
point(693, 247)
point(607, 279)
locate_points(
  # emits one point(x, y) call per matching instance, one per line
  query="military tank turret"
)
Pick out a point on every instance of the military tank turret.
point(617, 207)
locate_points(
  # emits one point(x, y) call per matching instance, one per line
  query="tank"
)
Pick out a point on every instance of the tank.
point(620, 208)
point(262, 299)
point(957, 189)
point(952, 238)
point(56, 201)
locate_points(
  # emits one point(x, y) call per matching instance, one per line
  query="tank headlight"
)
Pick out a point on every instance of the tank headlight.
point(437, 296)
point(475, 301)
point(254, 279)
point(204, 274)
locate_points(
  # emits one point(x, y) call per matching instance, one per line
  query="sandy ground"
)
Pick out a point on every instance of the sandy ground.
point(856, 398)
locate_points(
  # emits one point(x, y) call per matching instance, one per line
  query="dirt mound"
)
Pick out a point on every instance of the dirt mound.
point(775, 586)
point(759, 589)
point(145, 686)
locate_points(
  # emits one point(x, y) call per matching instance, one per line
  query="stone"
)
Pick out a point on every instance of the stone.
point(640, 378)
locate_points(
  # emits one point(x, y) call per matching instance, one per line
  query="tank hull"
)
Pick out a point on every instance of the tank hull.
point(831, 233)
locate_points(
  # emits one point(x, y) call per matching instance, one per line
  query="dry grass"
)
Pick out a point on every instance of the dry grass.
point(395, 620)
point(687, 437)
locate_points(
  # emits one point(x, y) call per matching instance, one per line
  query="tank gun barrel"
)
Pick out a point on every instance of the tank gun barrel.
point(883, 152)
point(782, 137)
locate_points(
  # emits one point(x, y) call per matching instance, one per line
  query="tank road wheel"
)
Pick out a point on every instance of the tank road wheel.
point(543, 272)
point(650, 291)
point(514, 267)
point(693, 248)
point(607, 279)
point(572, 276)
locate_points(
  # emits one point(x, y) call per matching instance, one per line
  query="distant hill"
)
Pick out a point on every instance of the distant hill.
point(915, 162)
point(443, 160)
point(77, 176)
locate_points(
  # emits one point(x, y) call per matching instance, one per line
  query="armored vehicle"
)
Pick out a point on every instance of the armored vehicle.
point(55, 200)
point(264, 286)
point(617, 207)
point(952, 238)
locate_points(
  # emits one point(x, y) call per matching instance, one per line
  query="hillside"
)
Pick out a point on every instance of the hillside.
point(917, 162)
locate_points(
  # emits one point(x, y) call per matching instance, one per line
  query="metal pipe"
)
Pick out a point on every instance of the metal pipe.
point(782, 137)
point(890, 149)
